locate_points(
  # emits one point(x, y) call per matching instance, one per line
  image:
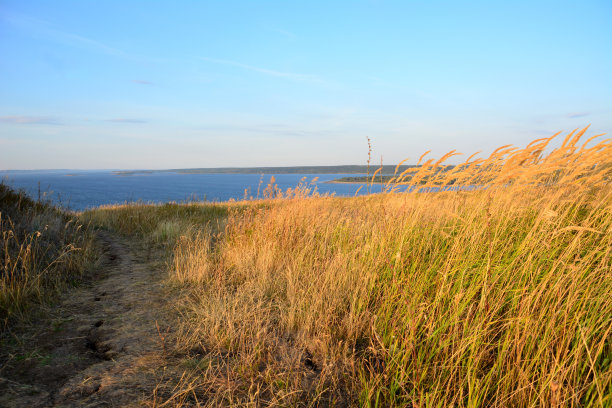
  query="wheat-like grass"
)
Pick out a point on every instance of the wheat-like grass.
point(496, 295)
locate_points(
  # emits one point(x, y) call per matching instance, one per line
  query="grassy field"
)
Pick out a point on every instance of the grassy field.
point(499, 296)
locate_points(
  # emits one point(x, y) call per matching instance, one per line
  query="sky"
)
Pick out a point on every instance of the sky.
point(183, 84)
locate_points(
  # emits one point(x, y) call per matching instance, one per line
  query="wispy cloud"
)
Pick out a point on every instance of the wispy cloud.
point(141, 82)
point(288, 75)
point(41, 28)
point(126, 120)
point(284, 33)
point(576, 115)
point(274, 129)
point(30, 120)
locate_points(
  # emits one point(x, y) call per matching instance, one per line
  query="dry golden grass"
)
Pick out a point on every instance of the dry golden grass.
point(498, 296)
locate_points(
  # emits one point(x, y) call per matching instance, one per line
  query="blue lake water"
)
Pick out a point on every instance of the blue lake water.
point(79, 190)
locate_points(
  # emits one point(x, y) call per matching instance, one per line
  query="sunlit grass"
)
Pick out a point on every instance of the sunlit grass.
point(499, 296)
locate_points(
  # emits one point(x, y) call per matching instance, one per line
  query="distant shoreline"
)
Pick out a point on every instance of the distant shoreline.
point(378, 179)
point(341, 181)
point(342, 169)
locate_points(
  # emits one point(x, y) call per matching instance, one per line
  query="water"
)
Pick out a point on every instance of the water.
point(79, 190)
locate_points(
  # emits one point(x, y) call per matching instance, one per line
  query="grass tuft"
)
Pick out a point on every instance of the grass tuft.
point(43, 250)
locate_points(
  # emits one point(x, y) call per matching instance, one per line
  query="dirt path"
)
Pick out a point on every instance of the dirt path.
point(102, 346)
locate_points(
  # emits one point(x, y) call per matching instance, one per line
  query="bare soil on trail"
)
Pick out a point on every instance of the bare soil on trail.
point(102, 345)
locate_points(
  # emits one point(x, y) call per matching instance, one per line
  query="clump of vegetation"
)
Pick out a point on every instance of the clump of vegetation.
point(159, 224)
point(43, 249)
point(494, 296)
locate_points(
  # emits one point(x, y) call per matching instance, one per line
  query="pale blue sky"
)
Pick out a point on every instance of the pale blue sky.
point(144, 84)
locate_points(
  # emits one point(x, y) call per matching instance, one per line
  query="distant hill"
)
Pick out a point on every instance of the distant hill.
point(364, 179)
point(347, 169)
